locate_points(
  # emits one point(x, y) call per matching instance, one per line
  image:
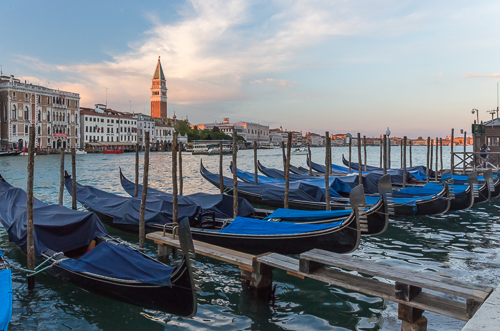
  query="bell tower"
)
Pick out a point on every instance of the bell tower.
point(159, 93)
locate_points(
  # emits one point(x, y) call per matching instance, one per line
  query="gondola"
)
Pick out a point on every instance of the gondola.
point(420, 170)
point(5, 293)
point(10, 153)
point(77, 248)
point(260, 236)
point(377, 216)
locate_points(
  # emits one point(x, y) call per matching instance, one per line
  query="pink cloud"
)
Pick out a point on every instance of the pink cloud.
point(471, 75)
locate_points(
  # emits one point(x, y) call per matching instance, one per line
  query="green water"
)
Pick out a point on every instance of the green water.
point(464, 245)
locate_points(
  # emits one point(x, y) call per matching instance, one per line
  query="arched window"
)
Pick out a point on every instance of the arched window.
point(48, 129)
point(39, 130)
point(39, 116)
point(26, 113)
point(14, 112)
point(48, 116)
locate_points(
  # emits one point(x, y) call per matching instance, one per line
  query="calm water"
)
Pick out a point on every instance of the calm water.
point(463, 244)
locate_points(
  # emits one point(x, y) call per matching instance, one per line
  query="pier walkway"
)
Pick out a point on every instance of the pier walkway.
point(404, 287)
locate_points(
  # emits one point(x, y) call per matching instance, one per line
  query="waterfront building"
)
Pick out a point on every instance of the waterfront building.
point(145, 124)
point(159, 93)
point(315, 139)
point(102, 126)
point(54, 113)
point(297, 139)
point(249, 131)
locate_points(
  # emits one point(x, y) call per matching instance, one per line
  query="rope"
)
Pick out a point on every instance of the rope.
point(32, 272)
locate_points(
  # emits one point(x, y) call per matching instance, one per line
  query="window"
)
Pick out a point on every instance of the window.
point(86, 129)
point(14, 95)
point(26, 113)
point(26, 129)
point(85, 118)
point(14, 112)
point(111, 130)
point(26, 97)
point(48, 129)
point(14, 128)
point(39, 116)
point(48, 116)
point(108, 130)
point(108, 120)
point(493, 141)
point(39, 130)
point(76, 132)
point(102, 120)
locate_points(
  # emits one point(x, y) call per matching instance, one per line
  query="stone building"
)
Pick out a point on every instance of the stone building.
point(54, 113)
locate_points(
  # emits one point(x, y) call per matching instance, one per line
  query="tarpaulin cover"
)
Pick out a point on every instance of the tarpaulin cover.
point(294, 215)
point(298, 191)
point(418, 172)
point(125, 210)
point(462, 179)
point(121, 262)
point(56, 227)
point(220, 204)
point(5, 297)
point(251, 226)
point(336, 185)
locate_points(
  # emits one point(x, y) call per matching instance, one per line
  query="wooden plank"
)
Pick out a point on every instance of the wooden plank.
point(425, 280)
point(424, 301)
point(242, 260)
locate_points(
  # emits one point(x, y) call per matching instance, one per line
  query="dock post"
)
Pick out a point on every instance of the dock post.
point(284, 155)
point(381, 147)
point(136, 189)
point(235, 174)
point(385, 154)
point(465, 150)
point(330, 154)
point(256, 178)
point(327, 171)
point(411, 318)
point(350, 152)
point(360, 169)
point(73, 178)
point(30, 227)
point(287, 170)
point(364, 150)
point(175, 199)
point(452, 165)
point(409, 145)
point(61, 178)
point(163, 253)
point(401, 152)
point(142, 210)
point(404, 160)
point(389, 147)
point(260, 280)
point(181, 180)
point(441, 153)
point(428, 154)
point(432, 156)
point(221, 179)
point(310, 165)
point(437, 152)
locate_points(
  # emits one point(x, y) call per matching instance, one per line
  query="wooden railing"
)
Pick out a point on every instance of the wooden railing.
point(466, 162)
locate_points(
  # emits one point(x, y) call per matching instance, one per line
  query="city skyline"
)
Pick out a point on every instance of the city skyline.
point(416, 67)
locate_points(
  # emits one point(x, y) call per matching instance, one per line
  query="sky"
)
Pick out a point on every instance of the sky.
point(417, 67)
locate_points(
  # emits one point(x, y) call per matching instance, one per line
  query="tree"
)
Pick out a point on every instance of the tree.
point(169, 123)
point(215, 129)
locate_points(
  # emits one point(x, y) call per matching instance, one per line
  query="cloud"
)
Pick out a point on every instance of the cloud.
point(472, 75)
point(274, 82)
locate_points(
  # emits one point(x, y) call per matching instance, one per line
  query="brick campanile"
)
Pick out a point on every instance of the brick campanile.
point(159, 93)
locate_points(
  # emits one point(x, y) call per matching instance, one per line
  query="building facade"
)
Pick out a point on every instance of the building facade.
point(54, 113)
point(159, 94)
point(101, 125)
point(249, 131)
point(145, 124)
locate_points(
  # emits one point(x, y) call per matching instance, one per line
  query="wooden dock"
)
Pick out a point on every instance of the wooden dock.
point(405, 287)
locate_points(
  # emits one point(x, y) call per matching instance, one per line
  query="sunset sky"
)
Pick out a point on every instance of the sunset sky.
point(418, 67)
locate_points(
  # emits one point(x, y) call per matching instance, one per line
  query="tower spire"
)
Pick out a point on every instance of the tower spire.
point(159, 93)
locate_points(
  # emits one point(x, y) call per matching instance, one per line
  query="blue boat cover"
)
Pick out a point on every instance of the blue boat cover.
point(336, 185)
point(125, 210)
point(418, 172)
point(298, 191)
point(251, 226)
point(220, 204)
point(5, 297)
point(121, 262)
point(56, 227)
point(294, 215)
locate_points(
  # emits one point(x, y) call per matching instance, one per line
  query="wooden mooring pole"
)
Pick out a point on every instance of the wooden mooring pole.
point(136, 189)
point(327, 171)
point(255, 167)
point(452, 161)
point(364, 151)
point(350, 152)
point(381, 147)
point(441, 152)
point(73, 178)
point(221, 179)
point(385, 154)
point(310, 164)
point(404, 161)
point(360, 169)
point(30, 227)
point(142, 210)
point(287, 170)
point(175, 198)
point(181, 180)
point(437, 159)
point(401, 152)
point(235, 173)
point(389, 147)
point(432, 156)
point(465, 151)
point(61, 178)
point(409, 145)
point(428, 155)
point(284, 155)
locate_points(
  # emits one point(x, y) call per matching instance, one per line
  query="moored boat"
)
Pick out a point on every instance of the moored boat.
point(5, 293)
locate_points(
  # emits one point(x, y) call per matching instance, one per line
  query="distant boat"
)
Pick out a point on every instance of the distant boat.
point(80, 151)
point(299, 151)
point(10, 153)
